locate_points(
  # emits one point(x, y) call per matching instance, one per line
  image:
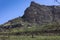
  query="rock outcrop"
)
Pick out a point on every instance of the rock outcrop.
point(39, 14)
point(42, 14)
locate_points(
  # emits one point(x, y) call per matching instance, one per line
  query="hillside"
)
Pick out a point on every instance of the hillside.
point(36, 18)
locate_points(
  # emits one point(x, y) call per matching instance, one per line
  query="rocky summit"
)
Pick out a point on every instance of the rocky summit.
point(42, 14)
point(35, 14)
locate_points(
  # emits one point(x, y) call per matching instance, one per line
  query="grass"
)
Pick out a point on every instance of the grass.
point(29, 38)
point(47, 27)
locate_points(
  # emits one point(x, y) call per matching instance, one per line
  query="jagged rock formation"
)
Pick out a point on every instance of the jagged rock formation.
point(38, 14)
point(42, 14)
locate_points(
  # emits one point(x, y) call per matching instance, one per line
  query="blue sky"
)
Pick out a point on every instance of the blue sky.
point(10, 9)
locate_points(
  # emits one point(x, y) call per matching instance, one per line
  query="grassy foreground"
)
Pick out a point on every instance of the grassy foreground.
point(29, 38)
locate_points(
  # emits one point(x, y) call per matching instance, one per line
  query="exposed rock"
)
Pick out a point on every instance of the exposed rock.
point(36, 14)
point(42, 14)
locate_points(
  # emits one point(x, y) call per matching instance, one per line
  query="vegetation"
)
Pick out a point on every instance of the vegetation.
point(29, 38)
point(51, 27)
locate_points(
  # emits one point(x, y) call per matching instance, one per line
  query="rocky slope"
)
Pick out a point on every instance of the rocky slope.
point(35, 14)
point(42, 14)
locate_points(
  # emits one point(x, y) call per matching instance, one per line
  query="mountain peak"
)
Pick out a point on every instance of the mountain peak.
point(38, 14)
point(33, 3)
point(41, 14)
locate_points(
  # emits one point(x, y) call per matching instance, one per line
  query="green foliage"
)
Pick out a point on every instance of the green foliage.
point(29, 38)
point(34, 27)
point(50, 26)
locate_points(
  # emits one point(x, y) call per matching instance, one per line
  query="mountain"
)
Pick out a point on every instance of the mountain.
point(35, 15)
point(42, 14)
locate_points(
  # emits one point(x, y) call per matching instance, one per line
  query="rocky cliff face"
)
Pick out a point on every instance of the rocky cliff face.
point(42, 14)
point(39, 14)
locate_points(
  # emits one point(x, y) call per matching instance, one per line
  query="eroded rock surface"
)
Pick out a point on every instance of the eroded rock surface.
point(38, 14)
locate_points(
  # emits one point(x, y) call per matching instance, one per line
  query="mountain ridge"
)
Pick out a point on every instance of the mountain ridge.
point(34, 15)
